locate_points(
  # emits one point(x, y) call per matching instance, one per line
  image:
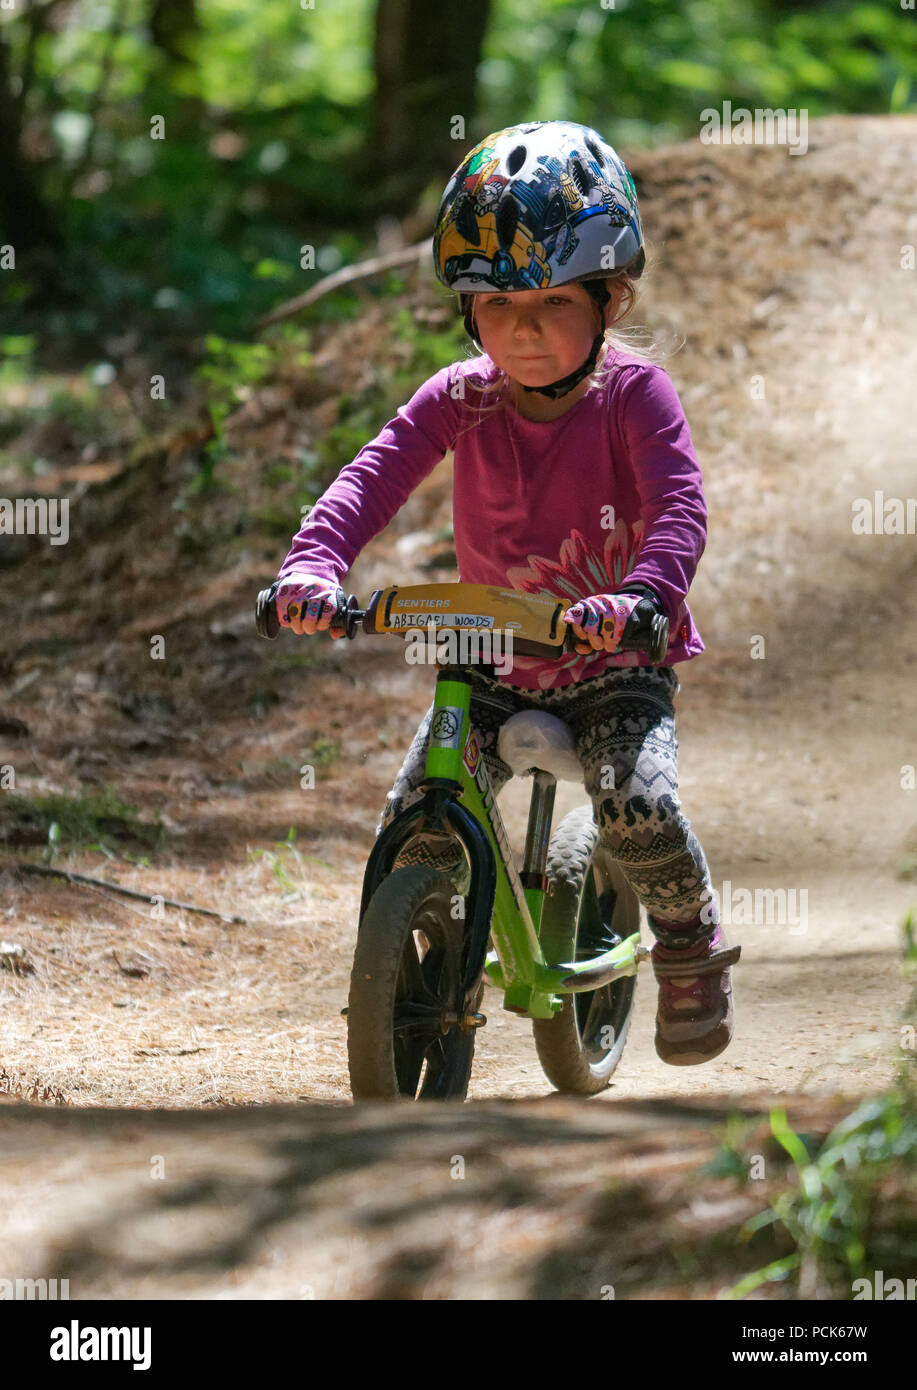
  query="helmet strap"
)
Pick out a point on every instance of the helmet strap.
point(567, 383)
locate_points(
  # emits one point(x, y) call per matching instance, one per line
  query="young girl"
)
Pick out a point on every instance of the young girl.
point(575, 476)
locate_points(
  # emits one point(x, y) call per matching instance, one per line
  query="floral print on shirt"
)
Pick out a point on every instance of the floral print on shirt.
point(580, 570)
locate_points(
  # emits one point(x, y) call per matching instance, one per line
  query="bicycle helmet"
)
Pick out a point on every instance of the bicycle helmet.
point(535, 205)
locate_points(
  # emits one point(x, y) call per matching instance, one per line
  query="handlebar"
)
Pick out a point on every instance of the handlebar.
point(647, 629)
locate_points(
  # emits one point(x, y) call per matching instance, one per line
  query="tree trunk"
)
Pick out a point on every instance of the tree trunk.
point(25, 221)
point(426, 60)
point(173, 24)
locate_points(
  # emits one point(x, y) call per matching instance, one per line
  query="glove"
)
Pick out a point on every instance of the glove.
point(599, 620)
point(306, 603)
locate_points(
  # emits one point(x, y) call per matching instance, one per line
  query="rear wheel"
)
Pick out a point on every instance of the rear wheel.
point(403, 1033)
point(591, 908)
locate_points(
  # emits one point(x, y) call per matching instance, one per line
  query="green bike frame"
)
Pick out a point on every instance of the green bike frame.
point(502, 903)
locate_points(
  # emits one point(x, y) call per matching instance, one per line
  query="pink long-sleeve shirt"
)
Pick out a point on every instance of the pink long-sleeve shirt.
point(609, 492)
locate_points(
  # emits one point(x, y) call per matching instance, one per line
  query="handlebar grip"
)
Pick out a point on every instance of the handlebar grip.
point(268, 624)
point(347, 619)
point(647, 630)
point(266, 620)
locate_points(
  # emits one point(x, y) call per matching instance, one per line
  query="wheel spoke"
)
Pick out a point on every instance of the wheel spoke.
point(436, 1065)
point(417, 1017)
point(602, 910)
point(412, 977)
point(433, 969)
point(595, 935)
point(408, 1064)
point(598, 1003)
point(410, 1017)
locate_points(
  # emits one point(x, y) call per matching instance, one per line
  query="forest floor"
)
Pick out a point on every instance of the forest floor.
point(139, 1039)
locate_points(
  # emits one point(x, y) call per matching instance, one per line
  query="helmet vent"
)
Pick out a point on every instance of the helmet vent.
point(581, 176)
point(507, 219)
point(467, 224)
point(516, 160)
point(595, 151)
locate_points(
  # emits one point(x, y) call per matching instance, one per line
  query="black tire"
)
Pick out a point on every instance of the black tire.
point(408, 959)
point(591, 908)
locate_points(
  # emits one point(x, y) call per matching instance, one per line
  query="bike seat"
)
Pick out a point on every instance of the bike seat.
point(535, 739)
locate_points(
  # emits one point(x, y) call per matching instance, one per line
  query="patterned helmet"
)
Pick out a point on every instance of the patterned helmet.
point(537, 205)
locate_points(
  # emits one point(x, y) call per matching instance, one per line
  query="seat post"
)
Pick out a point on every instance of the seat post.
point(541, 811)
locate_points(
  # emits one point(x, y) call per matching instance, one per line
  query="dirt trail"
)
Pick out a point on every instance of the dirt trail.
point(777, 270)
point(538, 1199)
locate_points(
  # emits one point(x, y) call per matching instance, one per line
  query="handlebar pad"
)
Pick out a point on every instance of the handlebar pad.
point(647, 629)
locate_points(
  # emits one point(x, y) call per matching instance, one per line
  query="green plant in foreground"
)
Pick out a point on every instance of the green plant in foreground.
point(76, 821)
point(854, 1208)
point(909, 928)
point(282, 860)
point(830, 1215)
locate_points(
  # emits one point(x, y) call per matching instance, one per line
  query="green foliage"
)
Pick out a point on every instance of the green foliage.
point(853, 1208)
point(322, 753)
point(228, 374)
point(909, 929)
point(84, 820)
point(17, 346)
point(202, 230)
point(642, 72)
point(288, 864)
point(832, 1215)
point(275, 53)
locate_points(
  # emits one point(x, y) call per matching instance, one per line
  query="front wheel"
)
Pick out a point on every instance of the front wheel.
point(590, 909)
point(403, 1033)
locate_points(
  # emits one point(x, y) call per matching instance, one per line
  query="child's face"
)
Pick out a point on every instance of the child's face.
point(537, 336)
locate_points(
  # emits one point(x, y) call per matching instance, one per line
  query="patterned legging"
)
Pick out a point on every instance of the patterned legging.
point(623, 720)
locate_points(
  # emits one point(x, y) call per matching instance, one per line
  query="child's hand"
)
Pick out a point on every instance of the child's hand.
point(599, 621)
point(306, 603)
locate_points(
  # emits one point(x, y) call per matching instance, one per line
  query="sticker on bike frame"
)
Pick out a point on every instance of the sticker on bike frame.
point(446, 730)
point(472, 753)
point(397, 621)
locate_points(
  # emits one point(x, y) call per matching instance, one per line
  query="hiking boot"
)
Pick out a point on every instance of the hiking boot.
point(441, 852)
point(694, 1020)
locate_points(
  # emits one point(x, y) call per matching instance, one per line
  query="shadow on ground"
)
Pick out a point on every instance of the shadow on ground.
point(556, 1199)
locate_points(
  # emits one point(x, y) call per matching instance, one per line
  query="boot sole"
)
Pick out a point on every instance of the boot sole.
point(691, 1059)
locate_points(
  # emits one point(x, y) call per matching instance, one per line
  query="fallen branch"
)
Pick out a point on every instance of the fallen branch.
point(125, 892)
point(363, 270)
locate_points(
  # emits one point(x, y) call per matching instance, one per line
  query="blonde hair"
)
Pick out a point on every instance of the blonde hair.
point(638, 342)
